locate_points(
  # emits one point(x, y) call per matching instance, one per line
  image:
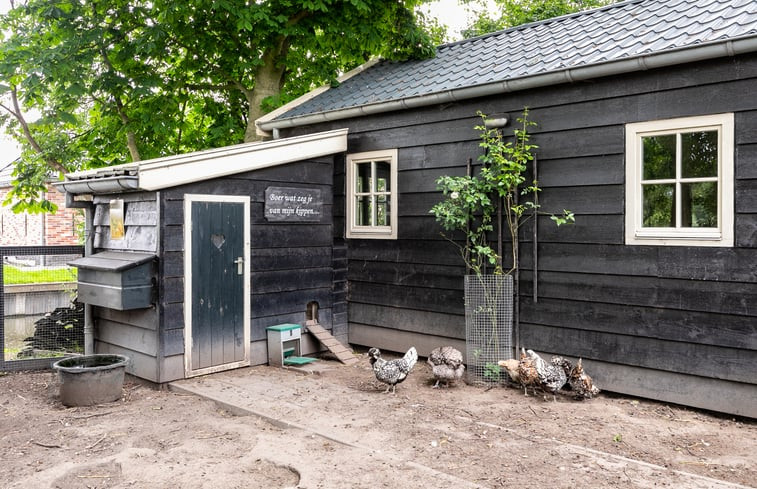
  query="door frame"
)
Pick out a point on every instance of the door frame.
point(189, 199)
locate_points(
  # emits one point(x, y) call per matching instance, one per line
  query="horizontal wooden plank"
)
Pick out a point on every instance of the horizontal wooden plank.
point(583, 171)
point(172, 342)
point(393, 340)
point(140, 365)
point(705, 328)
point(140, 340)
point(442, 155)
point(746, 230)
point(686, 295)
point(669, 356)
point(601, 199)
point(173, 315)
point(587, 229)
point(417, 298)
point(291, 235)
point(405, 319)
point(290, 258)
point(406, 274)
point(171, 290)
point(675, 262)
point(141, 318)
point(141, 213)
point(289, 302)
point(746, 160)
point(126, 197)
point(172, 264)
point(404, 251)
point(275, 281)
point(746, 196)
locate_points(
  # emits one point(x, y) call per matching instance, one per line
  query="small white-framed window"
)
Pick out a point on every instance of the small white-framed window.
point(679, 181)
point(372, 194)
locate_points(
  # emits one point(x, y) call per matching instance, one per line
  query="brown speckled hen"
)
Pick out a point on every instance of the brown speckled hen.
point(527, 375)
point(446, 364)
point(581, 384)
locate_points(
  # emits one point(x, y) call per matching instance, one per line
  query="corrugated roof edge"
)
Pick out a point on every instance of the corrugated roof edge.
point(699, 52)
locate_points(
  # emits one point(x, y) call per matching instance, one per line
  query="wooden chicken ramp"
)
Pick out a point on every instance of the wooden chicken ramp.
point(341, 352)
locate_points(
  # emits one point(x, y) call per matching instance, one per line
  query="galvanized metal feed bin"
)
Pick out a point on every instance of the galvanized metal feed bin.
point(116, 279)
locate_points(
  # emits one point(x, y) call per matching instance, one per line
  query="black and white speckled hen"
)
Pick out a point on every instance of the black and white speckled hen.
point(552, 377)
point(446, 365)
point(392, 372)
point(581, 384)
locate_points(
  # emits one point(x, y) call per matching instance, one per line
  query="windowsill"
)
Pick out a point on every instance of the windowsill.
point(715, 240)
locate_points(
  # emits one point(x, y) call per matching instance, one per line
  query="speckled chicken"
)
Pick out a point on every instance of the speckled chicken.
point(446, 364)
point(527, 374)
point(392, 372)
point(552, 376)
point(581, 384)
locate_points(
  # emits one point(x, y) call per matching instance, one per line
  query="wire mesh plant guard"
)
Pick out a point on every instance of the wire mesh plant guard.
point(488, 325)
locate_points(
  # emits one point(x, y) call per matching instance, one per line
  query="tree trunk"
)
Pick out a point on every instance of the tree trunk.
point(268, 82)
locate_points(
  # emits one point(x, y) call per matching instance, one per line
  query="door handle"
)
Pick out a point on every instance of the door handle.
point(240, 265)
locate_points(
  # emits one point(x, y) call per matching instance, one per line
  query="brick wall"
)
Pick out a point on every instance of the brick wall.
point(26, 229)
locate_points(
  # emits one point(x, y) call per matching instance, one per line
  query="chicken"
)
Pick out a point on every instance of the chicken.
point(392, 372)
point(581, 384)
point(551, 377)
point(511, 367)
point(446, 365)
point(527, 374)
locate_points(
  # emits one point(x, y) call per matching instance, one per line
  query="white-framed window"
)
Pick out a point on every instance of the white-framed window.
point(679, 181)
point(372, 194)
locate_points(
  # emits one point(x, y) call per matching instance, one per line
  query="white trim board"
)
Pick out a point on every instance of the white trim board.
point(172, 171)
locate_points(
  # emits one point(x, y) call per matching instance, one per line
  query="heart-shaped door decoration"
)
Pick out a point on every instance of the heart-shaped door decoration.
point(218, 240)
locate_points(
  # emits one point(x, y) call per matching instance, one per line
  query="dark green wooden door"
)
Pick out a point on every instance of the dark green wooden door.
point(218, 276)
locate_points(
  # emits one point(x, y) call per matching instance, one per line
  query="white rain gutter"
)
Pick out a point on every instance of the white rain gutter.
point(719, 49)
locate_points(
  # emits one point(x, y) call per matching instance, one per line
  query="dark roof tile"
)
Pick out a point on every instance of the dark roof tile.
point(616, 32)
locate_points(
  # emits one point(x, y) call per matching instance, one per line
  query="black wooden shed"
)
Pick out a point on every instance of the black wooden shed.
point(655, 286)
point(231, 241)
point(647, 130)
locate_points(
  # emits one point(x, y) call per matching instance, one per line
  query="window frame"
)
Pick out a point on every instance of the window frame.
point(723, 234)
point(371, 232)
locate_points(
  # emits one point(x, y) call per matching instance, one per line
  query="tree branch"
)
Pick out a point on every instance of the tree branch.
point(51, 162)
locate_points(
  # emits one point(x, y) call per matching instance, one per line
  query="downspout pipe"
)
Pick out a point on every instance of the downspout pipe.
point(89, 214)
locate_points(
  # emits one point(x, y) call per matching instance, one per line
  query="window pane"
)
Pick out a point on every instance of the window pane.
point(363, 211)
point(699, 205)
point(382, 210)
point(383, 183)
point(659, 206)
point(659, 157)
point(363, 177)
point(699, 154)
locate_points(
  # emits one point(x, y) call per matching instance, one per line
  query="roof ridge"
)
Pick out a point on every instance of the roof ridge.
point(541, 22)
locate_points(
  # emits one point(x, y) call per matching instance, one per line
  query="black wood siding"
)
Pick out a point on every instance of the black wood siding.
point(676, 309)
point(292, 264)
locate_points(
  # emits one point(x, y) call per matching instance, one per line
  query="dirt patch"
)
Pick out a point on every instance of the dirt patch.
point(353, 435)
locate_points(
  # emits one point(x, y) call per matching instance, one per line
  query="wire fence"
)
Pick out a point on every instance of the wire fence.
point(40, 318)
point(488, 325)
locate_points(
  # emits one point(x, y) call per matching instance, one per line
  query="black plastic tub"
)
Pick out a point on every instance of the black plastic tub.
point(91, 379)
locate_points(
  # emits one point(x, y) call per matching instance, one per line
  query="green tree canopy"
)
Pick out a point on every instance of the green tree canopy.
point(511, 13)
point(113, 81)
